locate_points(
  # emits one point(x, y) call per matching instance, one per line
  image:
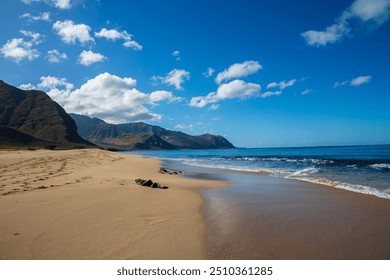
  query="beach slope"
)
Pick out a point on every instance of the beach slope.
point(84, 204)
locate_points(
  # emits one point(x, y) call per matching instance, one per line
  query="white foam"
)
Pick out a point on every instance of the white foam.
point(385, 193)
point(304, 172)
point(381, 166)
point(300, 175)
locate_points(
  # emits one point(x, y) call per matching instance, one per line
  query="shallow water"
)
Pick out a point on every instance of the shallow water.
point(265, 217)
point(364, 169)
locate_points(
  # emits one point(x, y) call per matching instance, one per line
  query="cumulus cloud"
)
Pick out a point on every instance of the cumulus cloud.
point(355, 82)
point(106, 96)
point(60, 4)
point(89, 57)
point(27, 86)
point(214, 107)
point(35, 37)
point(176, 54)
point(133, 44)
point(209, 72)
point(175, 78)
point(50, 82)
point(375, 11)
point(236, 89)
point(42, 16)
point(282, 85)
point(113, 35)
point(185, 126)
point(71, 32)
point(110, 34)
point(331, 34)
point(54, 56)
point(360, 80)
point(306, 91)
point(271, 93)
point(238, 70)
point(18, 49)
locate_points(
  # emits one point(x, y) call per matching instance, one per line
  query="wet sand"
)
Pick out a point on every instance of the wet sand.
point(264, 217)
point(84, 204)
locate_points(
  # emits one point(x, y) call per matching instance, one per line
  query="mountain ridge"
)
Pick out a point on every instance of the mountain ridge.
point(31, 113)
point(141, 136)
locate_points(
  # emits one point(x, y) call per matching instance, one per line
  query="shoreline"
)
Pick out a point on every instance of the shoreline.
point(265, 217)
point(360, 189)
point(84, 204)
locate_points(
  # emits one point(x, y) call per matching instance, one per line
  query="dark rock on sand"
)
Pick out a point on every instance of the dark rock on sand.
point(140, 181)
point(163, 171)
point(166, 171)
point(150, 183)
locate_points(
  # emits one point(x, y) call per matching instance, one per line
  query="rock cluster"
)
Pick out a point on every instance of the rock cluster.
point(165, 171)
point(150, 184)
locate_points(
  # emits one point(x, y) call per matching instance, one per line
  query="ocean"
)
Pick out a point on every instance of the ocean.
point(363, 169)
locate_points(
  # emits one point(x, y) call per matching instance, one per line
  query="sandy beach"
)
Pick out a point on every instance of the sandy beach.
point(84, 204)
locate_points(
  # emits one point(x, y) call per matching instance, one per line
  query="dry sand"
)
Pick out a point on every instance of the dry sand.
point(84, 204)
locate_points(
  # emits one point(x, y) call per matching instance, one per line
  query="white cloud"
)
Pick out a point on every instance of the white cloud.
point(110, 34)
point(331, 34)
point(306, 91)
point(28, 86)
point(236, 89)
point(108, 97)
point(360, 80)
point(50, 82)
point(377, 11)
point(214, 107)
point(89, 57)
point(185, 127)
point(210, 71)
point(271, 93)
point(113, 34)
point(42, 16)
point(176, 54)
point(54, 56)
point(133, 44)
point(354, 82)
point(337, 84)
point(238, 70)
point(18, 49)
point(282, 85)
point(35, 37)
point(60, 4)
point(70, 32)
point(174, 78)
point(161, 95)
point(303, 79)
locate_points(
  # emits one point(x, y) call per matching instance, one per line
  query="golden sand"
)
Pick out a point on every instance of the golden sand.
point(84, 204)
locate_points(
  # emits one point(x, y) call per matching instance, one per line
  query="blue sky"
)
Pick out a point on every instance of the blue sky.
point(261, 73)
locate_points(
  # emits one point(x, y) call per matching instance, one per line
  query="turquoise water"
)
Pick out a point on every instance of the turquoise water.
point(364, 169)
